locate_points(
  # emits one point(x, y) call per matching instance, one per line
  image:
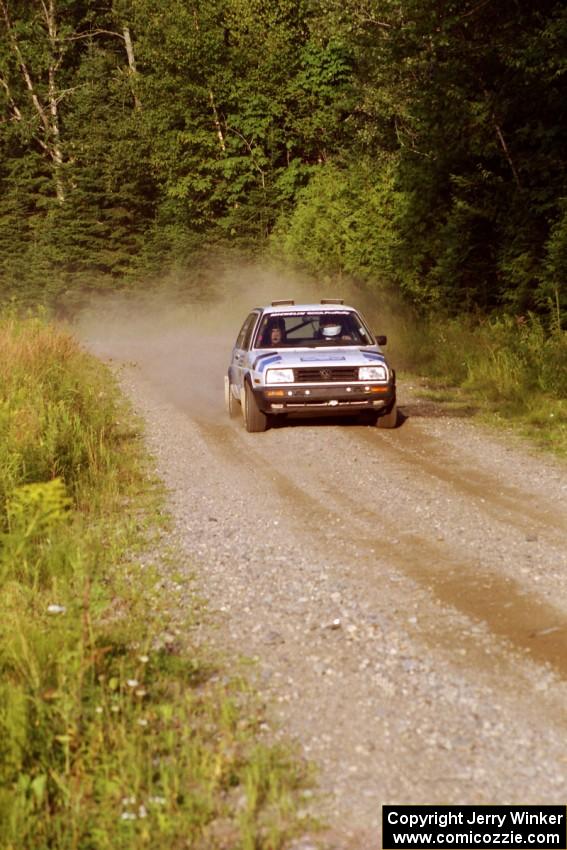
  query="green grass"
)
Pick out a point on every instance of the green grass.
point(114, 731)
point(514, 371)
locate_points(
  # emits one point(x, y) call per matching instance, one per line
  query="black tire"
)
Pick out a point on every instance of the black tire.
point(230, 403)
point(367, 417)
point(254, 420)
point(389, 419)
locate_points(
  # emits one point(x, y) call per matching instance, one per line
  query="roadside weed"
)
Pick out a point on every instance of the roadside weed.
point(512, 368)
point(114, 731)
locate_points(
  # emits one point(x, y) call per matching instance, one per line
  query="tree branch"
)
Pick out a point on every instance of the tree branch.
point(11, 101)
point(502, 140)
point(48, 116)
point(217, 121)
point(252, 155)
point(375, 23)
point(24, 69)
point(91, 33)
point(474, 9)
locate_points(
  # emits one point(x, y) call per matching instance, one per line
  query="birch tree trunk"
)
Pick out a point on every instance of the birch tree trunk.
point(218, 125)
point(49, 12)
point(131, 63)
point(214, 110)
point(47, 111)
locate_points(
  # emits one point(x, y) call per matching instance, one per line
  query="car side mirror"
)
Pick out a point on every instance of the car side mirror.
point(381, 339)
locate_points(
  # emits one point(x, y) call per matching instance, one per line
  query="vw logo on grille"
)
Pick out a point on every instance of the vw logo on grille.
point(326, 374)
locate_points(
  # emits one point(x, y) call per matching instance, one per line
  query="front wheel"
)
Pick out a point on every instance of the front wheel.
point(389, 419)
point(230, 403)
point(254, 419)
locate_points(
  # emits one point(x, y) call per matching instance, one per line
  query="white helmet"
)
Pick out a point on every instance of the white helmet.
point(330, 327)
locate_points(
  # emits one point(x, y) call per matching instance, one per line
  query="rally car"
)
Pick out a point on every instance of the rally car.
point(309, 359)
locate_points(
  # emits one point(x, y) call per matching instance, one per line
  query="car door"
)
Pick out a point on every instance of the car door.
point(241, 352)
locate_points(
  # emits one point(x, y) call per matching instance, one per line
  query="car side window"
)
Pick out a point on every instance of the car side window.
point(245, 331)
point(249, 331)
point(245, 334)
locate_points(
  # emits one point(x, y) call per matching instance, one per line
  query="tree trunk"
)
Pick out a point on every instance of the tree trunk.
point(217, 121)
point(502, 140)
point(131, 63)
point(56, 152)
point(48, 114)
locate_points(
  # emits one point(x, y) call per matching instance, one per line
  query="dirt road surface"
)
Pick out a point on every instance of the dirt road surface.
point(403, 592)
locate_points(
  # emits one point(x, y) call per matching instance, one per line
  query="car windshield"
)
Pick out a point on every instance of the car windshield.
point(311, 329)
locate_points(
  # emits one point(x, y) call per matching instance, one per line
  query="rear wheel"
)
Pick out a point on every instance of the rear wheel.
point(390, 419)
point(230, 403)
point(254, 419)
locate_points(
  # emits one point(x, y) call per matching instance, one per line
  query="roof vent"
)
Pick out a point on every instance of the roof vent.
point(332, 300)
point(283, 302)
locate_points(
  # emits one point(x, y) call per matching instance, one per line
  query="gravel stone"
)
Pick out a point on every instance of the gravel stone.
point(404, 592)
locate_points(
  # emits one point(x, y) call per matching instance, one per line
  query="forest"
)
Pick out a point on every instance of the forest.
point(413, 151)
point(416, 147)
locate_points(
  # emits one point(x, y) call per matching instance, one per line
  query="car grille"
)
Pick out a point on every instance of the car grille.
point(326, 374)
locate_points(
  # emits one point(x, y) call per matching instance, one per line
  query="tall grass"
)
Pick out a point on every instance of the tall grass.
point(109, 736)
point(514, 369)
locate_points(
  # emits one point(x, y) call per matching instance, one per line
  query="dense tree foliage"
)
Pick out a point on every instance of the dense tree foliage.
point(415, 145)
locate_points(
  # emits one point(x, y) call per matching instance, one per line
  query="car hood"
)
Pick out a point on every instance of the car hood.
point(304, 357)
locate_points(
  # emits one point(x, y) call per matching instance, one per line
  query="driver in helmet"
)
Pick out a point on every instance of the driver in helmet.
point(331, 329)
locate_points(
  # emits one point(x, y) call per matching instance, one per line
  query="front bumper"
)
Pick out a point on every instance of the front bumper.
point(317, 398)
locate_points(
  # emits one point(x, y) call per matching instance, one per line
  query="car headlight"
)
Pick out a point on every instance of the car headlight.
point(372, 373)
point(279, 376)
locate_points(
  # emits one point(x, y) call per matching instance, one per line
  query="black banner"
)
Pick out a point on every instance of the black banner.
point(482, 827)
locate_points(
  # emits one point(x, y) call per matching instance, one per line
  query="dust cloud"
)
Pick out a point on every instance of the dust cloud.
point(181, 342)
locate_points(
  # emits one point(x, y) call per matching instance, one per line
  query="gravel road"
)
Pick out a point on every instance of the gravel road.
point(404, 592)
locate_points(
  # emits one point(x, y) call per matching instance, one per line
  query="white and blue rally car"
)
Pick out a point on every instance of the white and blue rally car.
point(309, 359)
